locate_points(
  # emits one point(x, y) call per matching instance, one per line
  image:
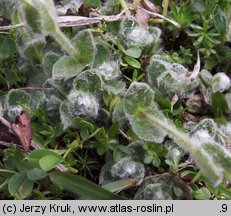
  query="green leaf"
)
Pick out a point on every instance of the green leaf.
point(199, 6)
point(156, 161)
point(101, 136)
point(132, 34)
point(16, 98)
point(160, 187)
point(36, 174)
point(220, 82)
point(36, 155)
point(81, 186)
point(124, 149)
point(146, 130)
point(150, 124)
point(113, 130)
point(125, 168)
point(139, 95)
point(148, 159)
point(88, 81)
point(228, 100)
point(202, 194)
point(20, 186)
point(117, 155)
point(34, 49)
point(78, 103)
point(102, 54)
point(85, 45)
point(93, 3)
point(49, 162)
point(66, 67)
point(48, 61)
point(170, 78)
point(114, 87)
point(32, 16)
point(219, 104)
point(132, 62)
point(133, 52)
point(79, 123)
point(220, 20)
point(119, 185)
point(40, 15)
point(220, 155)
point(118, 114)
point(7, 47)
point(109, 70)
point(6, 8)
point(165, 103)
point(69, 6)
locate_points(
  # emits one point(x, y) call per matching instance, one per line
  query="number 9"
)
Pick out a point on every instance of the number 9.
point(224, 207)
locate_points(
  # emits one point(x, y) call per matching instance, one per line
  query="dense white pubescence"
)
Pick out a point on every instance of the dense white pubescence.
point(86, 103)
point(220, 82)
point(170, 78)
point(109, 70)
point(138, 34)
point(78, 103)
point(127, 168)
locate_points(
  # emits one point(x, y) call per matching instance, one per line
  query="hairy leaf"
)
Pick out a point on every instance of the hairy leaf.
point(78, 103)
point(138, 96)
point(88, 81)
point(85, 44)
point(66, 67)
point(16, 98)
point(147, 120)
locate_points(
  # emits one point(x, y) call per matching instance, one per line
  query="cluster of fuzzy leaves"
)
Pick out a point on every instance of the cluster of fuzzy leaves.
point(170, 78)
point(132, 34)
point(150, 124)
point(123, 169)
point(73, 81)
point(160, 188)
point(216, 91)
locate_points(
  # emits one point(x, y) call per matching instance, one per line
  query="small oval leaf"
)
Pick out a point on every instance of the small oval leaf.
point(20, 186)
point(132, 62)
point(49, 162)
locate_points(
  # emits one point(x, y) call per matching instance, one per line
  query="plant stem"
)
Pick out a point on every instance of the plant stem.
point(160, 16)
point(200, 156)
point(165, 9)
point(91, 135)
point(123, 4)
point(66, 44)
point(7, 171)
point(183, 138)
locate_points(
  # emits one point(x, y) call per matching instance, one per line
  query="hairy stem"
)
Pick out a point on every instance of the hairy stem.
point(183, 138)
point(91, 135)
point(200, 156)
point(66, 44)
